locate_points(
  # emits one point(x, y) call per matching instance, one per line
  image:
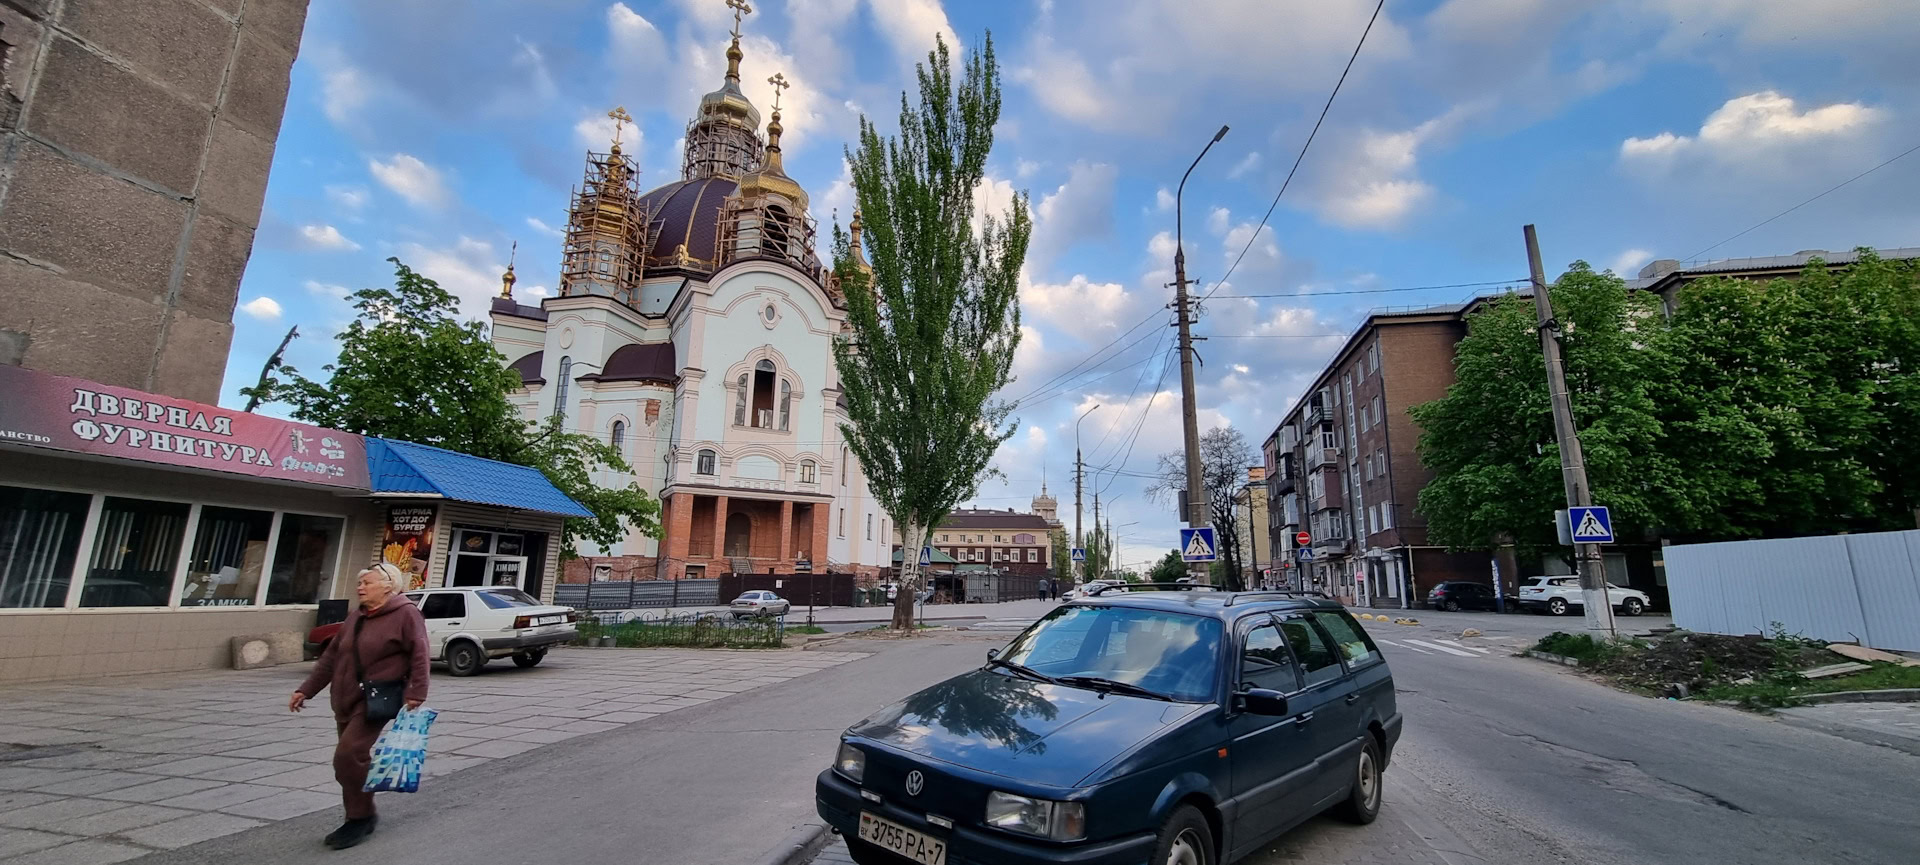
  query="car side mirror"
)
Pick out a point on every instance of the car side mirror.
point(1263, 701)
point(993, 653)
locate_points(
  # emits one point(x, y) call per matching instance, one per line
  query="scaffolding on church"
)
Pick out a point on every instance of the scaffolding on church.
point(763, 227)
point(716, 149)
point(607, 230)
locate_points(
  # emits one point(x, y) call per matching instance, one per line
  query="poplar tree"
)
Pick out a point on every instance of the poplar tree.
point(932, 306)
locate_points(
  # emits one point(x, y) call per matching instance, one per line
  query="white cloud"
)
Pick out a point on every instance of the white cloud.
point(1025, 168)
point(1078, 305)
point(344, 90)
point(417, 182)
point(1162, 199)
point(347, 197)
point(1758, 122)
point(1078, 209)
point(1263, 254)
point(1372, 183)
point(1217, 220)
point(470, 269)
point(263, 308)
point(537, 224)
point(321, 236)
point(326, 289)
point(1246, 164)
point(1628, 262)
point(909, 26)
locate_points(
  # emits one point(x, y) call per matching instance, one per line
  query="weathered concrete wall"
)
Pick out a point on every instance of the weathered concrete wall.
point(135, 140)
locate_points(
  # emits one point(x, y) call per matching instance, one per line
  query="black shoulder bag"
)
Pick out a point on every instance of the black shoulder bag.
point(383, 699)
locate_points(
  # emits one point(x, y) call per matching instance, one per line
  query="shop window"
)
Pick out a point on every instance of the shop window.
point(136, 550)
point(229, 554)
point(807, 472)
point(39, 542)
point(703, 464)
point(305, 558)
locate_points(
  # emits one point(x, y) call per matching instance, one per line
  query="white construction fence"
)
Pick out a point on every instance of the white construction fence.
point(1843, 588)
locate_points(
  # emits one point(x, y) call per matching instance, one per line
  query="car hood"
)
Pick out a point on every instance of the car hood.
point(1033, 731)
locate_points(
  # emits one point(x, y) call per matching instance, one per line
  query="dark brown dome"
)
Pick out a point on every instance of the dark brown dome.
point(649, 361)
point(686, 212)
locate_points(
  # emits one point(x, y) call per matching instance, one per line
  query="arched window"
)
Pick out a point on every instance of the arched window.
point(807, 472)
point(704, 464)
point(560, 393)
point(786, 403)
point(763, 375)
point(619, 436)
point(740, 402)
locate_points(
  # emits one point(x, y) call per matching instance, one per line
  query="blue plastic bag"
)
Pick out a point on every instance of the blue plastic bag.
point(400, 753)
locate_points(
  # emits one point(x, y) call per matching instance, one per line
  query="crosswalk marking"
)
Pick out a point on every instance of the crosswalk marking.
point(1464, 646)
point(1398, 646)
point(1437, 647)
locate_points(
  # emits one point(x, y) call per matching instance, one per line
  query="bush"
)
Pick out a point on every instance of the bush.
point(694, 630)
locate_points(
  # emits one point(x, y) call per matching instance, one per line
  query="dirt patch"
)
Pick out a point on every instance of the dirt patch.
point(1702, 661)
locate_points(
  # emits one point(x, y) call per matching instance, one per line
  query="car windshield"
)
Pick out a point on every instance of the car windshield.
point(501, 599)
point(1168, 653)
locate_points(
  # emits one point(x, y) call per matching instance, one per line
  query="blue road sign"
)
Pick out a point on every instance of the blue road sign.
point(926, 556)
point(1591, 525)
point(1196, 545)
point(1079, 554)
point(1304, 554)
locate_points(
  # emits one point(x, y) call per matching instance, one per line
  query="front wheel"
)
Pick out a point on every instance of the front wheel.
point(1633, 607)
point(1185, 839)
point(526, 659)
point(1363, 803)
point(1451, 606)
point(464, 659)
point(1557, 606)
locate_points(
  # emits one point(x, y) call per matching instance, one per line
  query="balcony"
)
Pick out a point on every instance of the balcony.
point(1322, 457)
point(1281, 487)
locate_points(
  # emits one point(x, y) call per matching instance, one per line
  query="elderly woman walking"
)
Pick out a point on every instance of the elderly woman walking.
point(377, 661)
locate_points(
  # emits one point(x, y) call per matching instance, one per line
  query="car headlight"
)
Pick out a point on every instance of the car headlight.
point(1042, 818)
point(852, 763)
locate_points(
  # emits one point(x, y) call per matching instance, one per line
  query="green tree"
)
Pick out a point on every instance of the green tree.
point(1490, 440)
point(1170, 569)
point(1062, 559)
point(934, 320)
point(1224, 458)
point(409, 369)
point(1101, 563)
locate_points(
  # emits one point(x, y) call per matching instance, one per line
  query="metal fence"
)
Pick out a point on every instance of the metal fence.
point(635, 594)
point(1845, 588)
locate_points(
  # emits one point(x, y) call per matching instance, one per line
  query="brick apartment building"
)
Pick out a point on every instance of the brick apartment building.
point(1021, 544)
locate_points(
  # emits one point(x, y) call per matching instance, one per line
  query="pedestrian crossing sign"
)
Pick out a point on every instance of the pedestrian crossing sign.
point(1196, 545)
point(1591, 525)
point(1079, 554)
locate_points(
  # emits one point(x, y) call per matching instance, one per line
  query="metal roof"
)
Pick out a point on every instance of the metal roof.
point(408, 469)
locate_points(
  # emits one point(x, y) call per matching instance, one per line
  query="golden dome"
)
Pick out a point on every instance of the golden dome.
point(772, 176)
point(728, 104)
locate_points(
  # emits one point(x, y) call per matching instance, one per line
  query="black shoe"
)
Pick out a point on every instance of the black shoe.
point(352, 832)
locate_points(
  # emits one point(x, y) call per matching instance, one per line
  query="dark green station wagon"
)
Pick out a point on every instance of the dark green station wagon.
point(1178, 725)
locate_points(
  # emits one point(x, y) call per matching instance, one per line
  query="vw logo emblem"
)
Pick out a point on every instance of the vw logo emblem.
point(915, 782)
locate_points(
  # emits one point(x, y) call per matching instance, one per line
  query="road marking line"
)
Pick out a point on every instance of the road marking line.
point(1437, 647)
point(1464, 646)
point(1399, 646)
point(1386, 641)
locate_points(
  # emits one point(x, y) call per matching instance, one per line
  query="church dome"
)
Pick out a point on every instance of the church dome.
point(687, 213)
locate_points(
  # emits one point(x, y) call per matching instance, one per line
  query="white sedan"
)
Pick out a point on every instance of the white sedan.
point(470, 625)
point(759, 603)
point(1561, 595)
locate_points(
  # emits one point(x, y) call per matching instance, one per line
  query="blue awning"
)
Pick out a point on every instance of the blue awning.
point(405, 468)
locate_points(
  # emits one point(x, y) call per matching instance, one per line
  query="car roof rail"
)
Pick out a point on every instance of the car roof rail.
point(1097, 590)
point(1283, 593)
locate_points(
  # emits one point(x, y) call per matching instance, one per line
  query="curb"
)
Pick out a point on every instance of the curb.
point(1889, 695)
point(799, 846)
point(1549, 656)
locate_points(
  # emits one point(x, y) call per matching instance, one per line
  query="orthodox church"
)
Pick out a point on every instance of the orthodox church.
point(693, 330)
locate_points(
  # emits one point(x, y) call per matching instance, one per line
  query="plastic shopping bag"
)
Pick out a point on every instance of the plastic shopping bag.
point(400, 753)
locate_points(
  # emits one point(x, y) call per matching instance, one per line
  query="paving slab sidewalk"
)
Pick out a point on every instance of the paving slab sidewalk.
point(108, 770)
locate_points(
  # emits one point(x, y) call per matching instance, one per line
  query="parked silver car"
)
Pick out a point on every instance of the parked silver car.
point(759, 604)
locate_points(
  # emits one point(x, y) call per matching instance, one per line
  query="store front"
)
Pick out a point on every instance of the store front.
point(141, 533)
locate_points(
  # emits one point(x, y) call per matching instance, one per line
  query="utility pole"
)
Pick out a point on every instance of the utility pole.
point(1190, 417)
point(1573, 467)
point(1103, 538)
point(1079, 473)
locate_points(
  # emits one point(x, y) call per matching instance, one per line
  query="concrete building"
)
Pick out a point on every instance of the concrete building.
point(135, 141)
point(1256, 531)
point(1019, 543)
point(1666, 276)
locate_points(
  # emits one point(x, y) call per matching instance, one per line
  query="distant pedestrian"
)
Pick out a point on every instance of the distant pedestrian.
point(1046, 589)
point(380, 651)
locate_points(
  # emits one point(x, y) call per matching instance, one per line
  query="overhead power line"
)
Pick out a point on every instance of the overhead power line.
point(1488, 283)
point(1834, 188)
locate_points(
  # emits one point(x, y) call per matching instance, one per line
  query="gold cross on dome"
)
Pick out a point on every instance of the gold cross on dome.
point(779, 82)
point(620, 118)
point(739, 8)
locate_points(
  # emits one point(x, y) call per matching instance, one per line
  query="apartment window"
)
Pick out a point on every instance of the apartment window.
point(703, 464)
point(996, 539)
point(1373, 355)
point(996, 554)
point(1033, 555)
point(1379, 411)
point(943, 539)
point(1386, 515)
point(1365, 420)
point(1369, 466)
point(807, 470)
point(869, 527)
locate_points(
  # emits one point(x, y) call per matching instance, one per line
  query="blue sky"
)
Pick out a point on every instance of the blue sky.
point(443, 131)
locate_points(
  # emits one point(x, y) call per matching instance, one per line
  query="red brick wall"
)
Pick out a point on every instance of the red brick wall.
point(1417, 360)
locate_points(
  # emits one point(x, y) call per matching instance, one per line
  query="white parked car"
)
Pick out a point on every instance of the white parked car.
point(470, 625)
point(759, 603)
point(1561, 595)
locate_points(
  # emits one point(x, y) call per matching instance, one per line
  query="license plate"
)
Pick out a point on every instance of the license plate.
point(917, 846)
point(548, 620)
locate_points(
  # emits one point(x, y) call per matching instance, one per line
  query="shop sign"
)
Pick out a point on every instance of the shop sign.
point(73, 414)
point(408, 544)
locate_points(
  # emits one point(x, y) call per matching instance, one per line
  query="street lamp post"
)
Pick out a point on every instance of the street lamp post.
point(1196, 494)
point(1078, 470)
